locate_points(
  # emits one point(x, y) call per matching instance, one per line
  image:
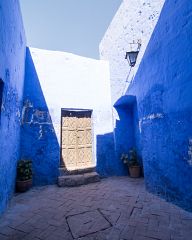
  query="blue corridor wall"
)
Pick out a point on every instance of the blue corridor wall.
point(12, 58)
point(162, 87)
point(38, 138)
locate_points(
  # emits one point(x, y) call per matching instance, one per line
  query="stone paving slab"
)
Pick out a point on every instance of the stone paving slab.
point(86, 223)
point(117, 208)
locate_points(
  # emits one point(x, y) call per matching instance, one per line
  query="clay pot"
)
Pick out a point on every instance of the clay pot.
point(134, 171)
point(23, 186)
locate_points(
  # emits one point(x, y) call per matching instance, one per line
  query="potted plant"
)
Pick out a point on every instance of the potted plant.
point(24, 175)
point(131, 160)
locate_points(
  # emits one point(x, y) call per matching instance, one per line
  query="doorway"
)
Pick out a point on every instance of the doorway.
point(76, 139)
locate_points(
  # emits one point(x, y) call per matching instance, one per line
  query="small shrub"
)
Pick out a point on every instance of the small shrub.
point(131, 158)
point(24, 170)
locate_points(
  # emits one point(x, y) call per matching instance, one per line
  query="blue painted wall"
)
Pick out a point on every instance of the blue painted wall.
point(124, 134)
point(107, 163)
point(38, 138)
point(162, 87)
point(12, 55)
point(126, 131)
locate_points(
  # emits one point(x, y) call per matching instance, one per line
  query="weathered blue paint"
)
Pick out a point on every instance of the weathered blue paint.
point(162, 87)
point(38, 138)
point(12, 55)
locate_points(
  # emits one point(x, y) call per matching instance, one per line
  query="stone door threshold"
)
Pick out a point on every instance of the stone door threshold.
point(77, 180)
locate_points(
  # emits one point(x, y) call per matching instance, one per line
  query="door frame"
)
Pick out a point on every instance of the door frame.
point(61, 165)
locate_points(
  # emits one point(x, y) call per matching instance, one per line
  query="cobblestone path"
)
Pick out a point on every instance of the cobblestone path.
point(115, 208)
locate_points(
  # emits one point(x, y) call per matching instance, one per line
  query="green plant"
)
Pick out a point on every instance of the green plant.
point(24, 170)
point(131, 158)
point(125, 158)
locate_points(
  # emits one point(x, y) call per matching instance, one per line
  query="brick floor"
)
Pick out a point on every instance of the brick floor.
point(116, 208)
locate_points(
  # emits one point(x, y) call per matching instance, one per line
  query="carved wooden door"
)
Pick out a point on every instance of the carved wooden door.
point(76, 140)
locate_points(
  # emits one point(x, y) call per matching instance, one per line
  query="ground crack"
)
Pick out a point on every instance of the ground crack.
point(99, 210)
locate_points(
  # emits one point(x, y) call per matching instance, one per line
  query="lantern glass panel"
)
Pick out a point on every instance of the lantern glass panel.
point(132, 57)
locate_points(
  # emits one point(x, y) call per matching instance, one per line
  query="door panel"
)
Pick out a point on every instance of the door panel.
point(76, 137)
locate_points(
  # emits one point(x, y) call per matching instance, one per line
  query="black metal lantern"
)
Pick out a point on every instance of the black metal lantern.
point(132, 57)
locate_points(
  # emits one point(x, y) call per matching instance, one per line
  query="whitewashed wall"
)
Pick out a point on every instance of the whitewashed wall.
point(71, 81)
point(135, 20)
point(57, 80)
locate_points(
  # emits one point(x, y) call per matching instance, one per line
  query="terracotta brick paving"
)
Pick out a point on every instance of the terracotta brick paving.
point(116, 208)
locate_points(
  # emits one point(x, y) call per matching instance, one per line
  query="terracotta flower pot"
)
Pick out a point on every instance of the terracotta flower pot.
point(23, 186)
point(134, 171)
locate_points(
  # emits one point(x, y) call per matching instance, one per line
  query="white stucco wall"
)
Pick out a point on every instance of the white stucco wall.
point(71, 81)
point(135, 20)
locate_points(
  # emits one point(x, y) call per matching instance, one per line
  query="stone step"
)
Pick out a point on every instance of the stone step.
point(63, 171)
point(77, 180)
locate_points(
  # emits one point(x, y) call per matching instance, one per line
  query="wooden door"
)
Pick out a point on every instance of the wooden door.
point(76, 140)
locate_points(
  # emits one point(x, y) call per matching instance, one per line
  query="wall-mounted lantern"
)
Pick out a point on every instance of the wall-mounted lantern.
point(131, 56)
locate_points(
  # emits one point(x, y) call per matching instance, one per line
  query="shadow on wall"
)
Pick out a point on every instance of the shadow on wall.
point(38, 138)
point(126, 135)
point(127, 127)
point(106, 159)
